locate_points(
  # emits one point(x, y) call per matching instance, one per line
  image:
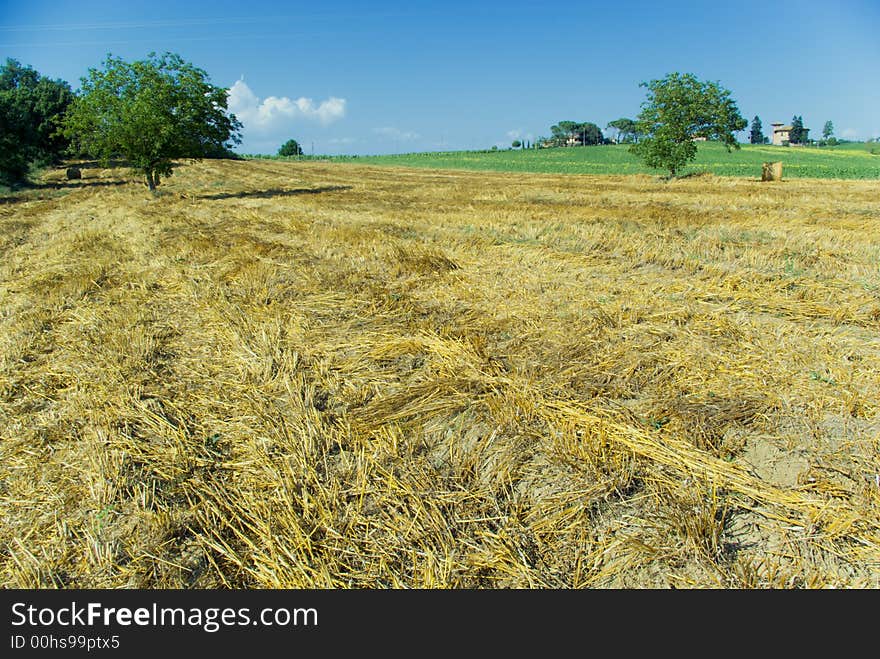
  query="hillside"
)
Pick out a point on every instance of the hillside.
point(849, 161)
point(331, 375)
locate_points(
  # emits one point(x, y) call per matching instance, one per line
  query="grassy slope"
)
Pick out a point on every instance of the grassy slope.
point(851, 161)
point(300, 374)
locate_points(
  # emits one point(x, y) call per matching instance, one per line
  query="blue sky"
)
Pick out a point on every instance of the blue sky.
point(385, 77)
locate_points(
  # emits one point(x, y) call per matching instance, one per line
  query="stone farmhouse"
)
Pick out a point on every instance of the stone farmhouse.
point(781, 133)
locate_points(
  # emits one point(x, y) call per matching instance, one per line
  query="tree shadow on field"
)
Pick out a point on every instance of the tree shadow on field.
point(97, 164)
point(695, 174)
point(37, 191)
point(81, 183)
point(275, 192)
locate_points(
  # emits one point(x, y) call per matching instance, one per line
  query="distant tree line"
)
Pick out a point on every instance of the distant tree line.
point(156, 111)
point(586, 133)
point(798, 135)
point(572, 133)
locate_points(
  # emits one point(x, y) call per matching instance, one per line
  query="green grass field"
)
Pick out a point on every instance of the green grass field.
point(848, 161)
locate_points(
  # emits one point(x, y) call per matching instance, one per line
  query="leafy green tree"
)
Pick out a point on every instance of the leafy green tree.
point(756, 135)
point(590, 134)
point(516, 144)
point(797, 135)
point(31, 107)
point(678, 109)
point(828, 130)
point(562, 132)
point(566, 133)
point(151, 112)
point(290, 148)
point(627, 130)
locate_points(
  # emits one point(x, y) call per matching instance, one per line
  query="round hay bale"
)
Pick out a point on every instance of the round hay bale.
point(772, 171)
point(74, 173)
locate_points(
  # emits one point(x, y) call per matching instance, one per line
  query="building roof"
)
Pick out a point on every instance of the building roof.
point(778, 126)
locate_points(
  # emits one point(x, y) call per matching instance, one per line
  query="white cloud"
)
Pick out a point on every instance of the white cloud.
point(397, 134)
point(849, 133)
point(341, 140)
point(273, 113)
point(519, 134)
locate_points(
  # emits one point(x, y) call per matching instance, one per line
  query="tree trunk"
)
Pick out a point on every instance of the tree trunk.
point(152, 179)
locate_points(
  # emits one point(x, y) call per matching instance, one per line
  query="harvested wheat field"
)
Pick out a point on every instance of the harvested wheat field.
point(307, 375)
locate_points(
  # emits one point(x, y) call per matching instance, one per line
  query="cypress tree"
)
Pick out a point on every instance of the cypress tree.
point(756, 136)
point(796, 136)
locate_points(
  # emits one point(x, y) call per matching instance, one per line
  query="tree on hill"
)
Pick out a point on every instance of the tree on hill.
point(756, 135)
point(31, 107)
point(797, 135)
point(828, 134)
point(570, 133)
point(151, 112)
point(562, 133)
point(590, 134)
point(290, 148)
point(627, 130)
point(828, 129)
point(679, 109)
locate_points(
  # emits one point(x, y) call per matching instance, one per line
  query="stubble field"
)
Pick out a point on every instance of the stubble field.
point(332, 375)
